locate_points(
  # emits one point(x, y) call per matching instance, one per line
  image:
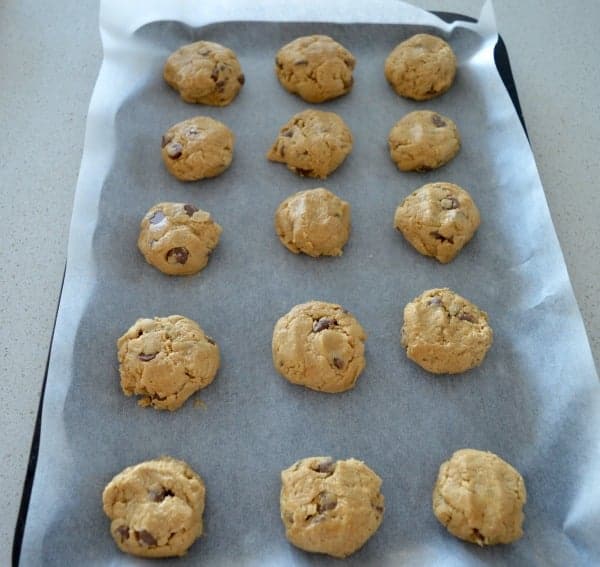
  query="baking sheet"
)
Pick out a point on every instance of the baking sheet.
point(534, 401)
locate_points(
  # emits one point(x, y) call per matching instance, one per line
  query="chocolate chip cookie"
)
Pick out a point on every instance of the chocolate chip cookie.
point(315, 67)
point(421, 68)
point(177, 238)
point(315, 222)
point(329, 506)
point(165, 360)
point(204, 72)
point(197, 148)
point(480, 498)
point(155, 508)
point(319, 345)
point(438, 219)
point(423, 140)
point(444, 333)
point(312, 143)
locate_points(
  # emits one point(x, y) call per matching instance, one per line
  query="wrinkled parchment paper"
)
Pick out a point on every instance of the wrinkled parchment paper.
point(534, 401)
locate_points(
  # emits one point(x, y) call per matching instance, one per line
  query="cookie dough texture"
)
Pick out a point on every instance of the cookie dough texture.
point(312, 143)
point(444, 333)
point(155, 508)
point(315, 67)
point(319, 345)
point(479, 498)
point(165, 360)
point(423, 140)
point(438, 219)
point(177, 238)
point(330, 507)
point(315, 222)
point(197, 148)
point(204, 73)
point(421, 68)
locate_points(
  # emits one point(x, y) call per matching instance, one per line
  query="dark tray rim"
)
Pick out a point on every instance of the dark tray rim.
point(504, 69)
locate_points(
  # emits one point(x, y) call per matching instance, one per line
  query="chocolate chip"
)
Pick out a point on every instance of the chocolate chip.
point(287, 133)
point(215, 73)
point(279, 64)
point(449, 203)
point(435, 301)
point(467, 317)
point(222, 66)
point(323, 324)
point(157, 217)
point(441, 237)
point(438, 121)
point(325, 466)
point(301, 62)
point(326, 501)
point(145, 537)
point(158, 495)
point(220, 84)
point(177, 255)
point(338, 362)
point(190, 209)
point(165, 140)
point(210, 340)
point(304, 172)
point(174, 150)
point(379, 509)
point(123, 531)
point(147, 357)
point(241, 79)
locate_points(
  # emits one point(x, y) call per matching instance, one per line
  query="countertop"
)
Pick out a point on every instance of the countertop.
point(51, 55)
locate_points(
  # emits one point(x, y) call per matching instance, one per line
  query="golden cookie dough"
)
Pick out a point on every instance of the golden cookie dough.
point(319, 345)
point(423, 140)
point(315, 222)
point(197, 148)
point(438, 219)
point(444, 333)
point(421, 68)
point(204, 73)
point(312, 143)
point(177, 238)
point(165, 360)
point(155, 508)
point(315, 67)
point(330, 507)
point(479, 498)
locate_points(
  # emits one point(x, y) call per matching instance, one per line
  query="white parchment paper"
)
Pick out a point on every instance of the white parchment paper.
point(534, 401)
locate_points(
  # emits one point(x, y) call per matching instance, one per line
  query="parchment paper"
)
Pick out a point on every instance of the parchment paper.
point(534, 401)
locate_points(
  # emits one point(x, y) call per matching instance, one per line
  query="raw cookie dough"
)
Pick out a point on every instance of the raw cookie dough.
point(312, 143)
point(319, 345)
point(177, 238)
point(315, 67)
point(205, 73)
point(330, 507)
point(197, 148)
point(423, 140)
point(165, 360)
point(479, 498)
point(315, 222)
point(438, 219)
point(444, 333)
point(422, 67)
point(155, 508)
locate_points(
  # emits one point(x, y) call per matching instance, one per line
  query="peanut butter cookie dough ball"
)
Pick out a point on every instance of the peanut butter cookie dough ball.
point(204, 72)
point(330, 507)
point(315, 67)
point(155, 508)
point(319, 345)
point(165, 360)
point(421, 68)
point(444, 333)
point(480, 498)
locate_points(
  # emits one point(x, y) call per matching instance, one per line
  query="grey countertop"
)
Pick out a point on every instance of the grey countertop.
point(50, 56)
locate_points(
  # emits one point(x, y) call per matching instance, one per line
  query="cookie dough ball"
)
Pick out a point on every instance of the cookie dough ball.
point(319, 345)
point(422, 67)
point(444, 333)
point(315, 67)
point(155, 508)
point(423, 140)
point(177, 238)
point(197, 148)
point(204, 73)
point(312, 143)
point(330, 507)
point(315, 222)
point(438, 220)
point(479, 498)
point(165, 360)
